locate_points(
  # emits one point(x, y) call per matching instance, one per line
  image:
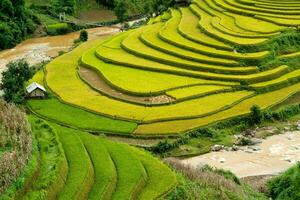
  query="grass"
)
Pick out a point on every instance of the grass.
point(150, 38)
point(81, 174)
point(284, 20)
point(119, 56)
point(242, 108)
point(169, 33)
point(105, 171)
point(195, 90)
point(223, 26)
point(83, 120)
point(263, 10)
point(140, 81)
point(79, 165)
point(188, 27)
point(95, 102)
point(53, 29)
point(201, 182)
point(131, 173)
point(156, 185)
point(244, 24)
point(133, 45)
point(188, 54)
point(253, 24)
point(38, 78)
point(53, 164)
point(285, 77)
point(226, 23)
point(286, 186)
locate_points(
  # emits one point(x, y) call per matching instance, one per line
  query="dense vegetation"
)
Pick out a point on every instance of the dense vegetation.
point(16, 22)
point(198, 73)
point(209, 184)
point(13, 81)
point(15, 144)
point(287, 185)
point(139, 6)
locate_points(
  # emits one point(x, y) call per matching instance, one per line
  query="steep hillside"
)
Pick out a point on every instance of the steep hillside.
point(187, 68)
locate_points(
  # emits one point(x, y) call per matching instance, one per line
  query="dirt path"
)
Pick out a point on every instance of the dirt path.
point(41, 49)
point(274, 155)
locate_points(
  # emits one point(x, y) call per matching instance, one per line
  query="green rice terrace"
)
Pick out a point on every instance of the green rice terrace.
point(185, 69)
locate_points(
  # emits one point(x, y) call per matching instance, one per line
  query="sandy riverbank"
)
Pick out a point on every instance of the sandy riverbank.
point(274, 155)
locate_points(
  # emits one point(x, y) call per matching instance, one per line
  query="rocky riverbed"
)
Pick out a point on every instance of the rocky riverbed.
point(268, 156)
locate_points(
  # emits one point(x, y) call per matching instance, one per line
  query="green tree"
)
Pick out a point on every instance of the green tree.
point(13, 81)
point(121, 10)
point(256, 114)
point(15, 22)
point(6, 8)
point(84, 36)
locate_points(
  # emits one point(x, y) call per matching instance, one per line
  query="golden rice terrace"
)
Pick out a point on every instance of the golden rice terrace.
point(186, 68)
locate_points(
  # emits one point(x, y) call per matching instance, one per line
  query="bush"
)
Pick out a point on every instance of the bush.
point(286, 186)
point(83, 36)
point(255, 115)
point(202, 132)
point(225, 173)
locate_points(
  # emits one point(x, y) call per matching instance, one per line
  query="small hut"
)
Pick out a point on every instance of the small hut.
point(35, 90)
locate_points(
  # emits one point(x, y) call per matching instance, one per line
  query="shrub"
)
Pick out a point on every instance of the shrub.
point(202, 132)
point(287, 185)
point(255, 115)
point(225, 173)
point(83, 36)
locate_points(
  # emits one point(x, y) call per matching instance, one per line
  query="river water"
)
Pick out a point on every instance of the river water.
point(274, 155)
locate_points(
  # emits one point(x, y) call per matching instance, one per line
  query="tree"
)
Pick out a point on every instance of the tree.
point(159, 6)
point(256, 114)
point(121, 10)
point(16, 22)
point(83, 36)
point(13, 81)
point(7, 8)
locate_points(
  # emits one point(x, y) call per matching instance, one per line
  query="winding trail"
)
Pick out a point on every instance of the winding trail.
point(274, 155)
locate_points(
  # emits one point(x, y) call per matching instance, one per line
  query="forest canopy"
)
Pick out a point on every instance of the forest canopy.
point(16, 22)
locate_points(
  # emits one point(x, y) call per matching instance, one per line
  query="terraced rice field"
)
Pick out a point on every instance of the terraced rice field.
point(192, 66)
point(101, 169)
